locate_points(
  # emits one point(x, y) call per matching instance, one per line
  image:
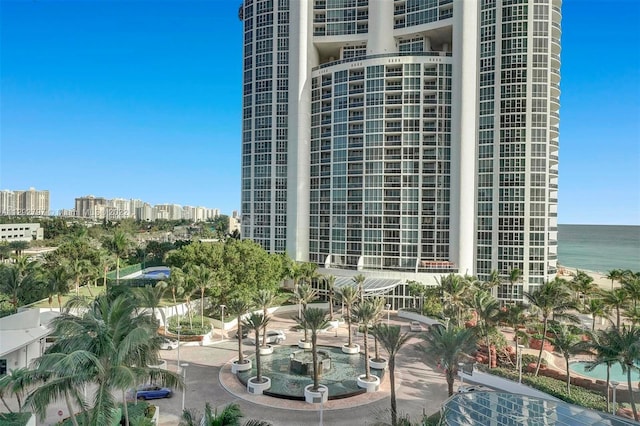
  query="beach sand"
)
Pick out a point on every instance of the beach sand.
point(599, 279)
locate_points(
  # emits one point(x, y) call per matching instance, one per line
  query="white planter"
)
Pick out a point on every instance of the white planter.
point(315, 397)
point(257, 388)
point(378, 365)
point(156, 416)
point(351, 350)
point(370, 386)
point(268, 350)
point(236, 368)
point(303, 344)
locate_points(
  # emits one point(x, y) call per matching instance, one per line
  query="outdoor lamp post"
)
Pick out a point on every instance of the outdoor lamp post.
point(184, 366)
point(520, 348)
point(614, 385)
point(446, 322)
point(222, 325)
point(460, 372)
point(388, 306)
point(178, 327)
point(322, 391)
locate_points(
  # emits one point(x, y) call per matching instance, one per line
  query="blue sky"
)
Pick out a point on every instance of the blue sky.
point(142, 100)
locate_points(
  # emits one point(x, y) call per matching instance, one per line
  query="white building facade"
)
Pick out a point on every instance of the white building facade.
point(404, 136)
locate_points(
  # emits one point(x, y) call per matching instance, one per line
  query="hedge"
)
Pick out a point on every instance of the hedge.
point(558, 388)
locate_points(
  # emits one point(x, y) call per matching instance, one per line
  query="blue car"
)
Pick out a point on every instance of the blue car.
point(153, 392)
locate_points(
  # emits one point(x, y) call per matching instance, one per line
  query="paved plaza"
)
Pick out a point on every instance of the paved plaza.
point(209, 379)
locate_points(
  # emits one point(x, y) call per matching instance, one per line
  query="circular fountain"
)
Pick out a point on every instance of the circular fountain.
point(291, 370)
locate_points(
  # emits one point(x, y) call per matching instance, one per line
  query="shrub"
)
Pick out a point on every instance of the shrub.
point(558, 388)
point(530, 358)
point(199, 328)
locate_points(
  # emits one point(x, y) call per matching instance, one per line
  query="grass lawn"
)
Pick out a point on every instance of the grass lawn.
point(84, 291)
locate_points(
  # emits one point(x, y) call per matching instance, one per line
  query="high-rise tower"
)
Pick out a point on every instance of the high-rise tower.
point(404, 135)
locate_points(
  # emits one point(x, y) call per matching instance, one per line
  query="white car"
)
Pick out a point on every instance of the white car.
point(273, 336)
point(473, 388)
point(415, 326)
point(169, 344)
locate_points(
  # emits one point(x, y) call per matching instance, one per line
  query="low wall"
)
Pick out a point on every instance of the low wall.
point(414, 316)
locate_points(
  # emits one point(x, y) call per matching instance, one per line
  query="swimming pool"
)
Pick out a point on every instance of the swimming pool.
point(600, 372)
point(156, 273)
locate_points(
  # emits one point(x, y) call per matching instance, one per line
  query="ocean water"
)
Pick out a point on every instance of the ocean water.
point(599, 248)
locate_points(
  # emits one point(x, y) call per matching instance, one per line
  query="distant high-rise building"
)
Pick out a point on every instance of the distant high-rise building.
point(25, 203)
point(90, 207)
point(404, 135)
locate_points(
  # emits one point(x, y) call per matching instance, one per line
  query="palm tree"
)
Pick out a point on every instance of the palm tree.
point(314, 319)
point(514, 276)
point(599, 342)
point(229, 416)
point(331, 291)
point(379, 304)
point(515, 316)
point(582, 283)
point(454, 291)
point(614, 275)
point(596, 308)
point(567, 342)
point(449, 345)
point(119, 245)
point(112, 348)
point(57, 283)
point(359, 281)
point(349, 297)
point(365, 312)
point(304, 295)
point(551, 298)
point(203, 278)
point(16, 383)
point(392, 341)
point(624, 347)
point(631, 285)
point(256, 321)
point(16, 277)
point(151, 297)
point(615, 299)
point(487, 309)
point(239, 307)
point(175, 283)
point(264, 299)
point(77, 269)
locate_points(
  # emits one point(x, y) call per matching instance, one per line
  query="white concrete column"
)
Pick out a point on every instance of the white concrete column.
point(464, 133)
point(381, 38)
point(300, 62)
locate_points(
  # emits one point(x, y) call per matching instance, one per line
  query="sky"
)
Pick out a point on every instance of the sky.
point(142, 99)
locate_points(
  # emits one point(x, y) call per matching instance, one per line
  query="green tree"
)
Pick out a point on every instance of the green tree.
point(392, 341)
point(314, 319)
point(151, 297)
point(229, 416)
point(359, 281)
point(238, 307)
point(304, 295)
point(568, 343)
point(349, 297)
point(417, 290)
point(19, 246)
point(256, 322)
point(175, 284)
point(365, 312)
point(515, 275)
point(265, 299)
point(121, 344)
point(582, 284)
point(203, 278)
point(605, 355)
point(16, 277)
point(119, 244)
point(614, 275)
point(596, 308)
point(624, 347)
point(631, 286)
point(615, 299)
point(449, 345)
point(454, 293)
point(330, 280)
point(551, 298)
point(57, 284)
point(487, 309)
point(515, 316)
point(16, 383)
point(77, 269)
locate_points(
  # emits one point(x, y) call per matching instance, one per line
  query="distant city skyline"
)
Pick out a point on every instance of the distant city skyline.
point(142, 100)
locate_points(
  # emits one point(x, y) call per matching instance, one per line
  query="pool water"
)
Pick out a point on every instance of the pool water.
point(600, 372)
point(157, 274)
